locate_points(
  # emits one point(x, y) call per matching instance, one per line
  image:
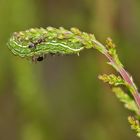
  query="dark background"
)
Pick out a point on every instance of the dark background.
point(61, 98)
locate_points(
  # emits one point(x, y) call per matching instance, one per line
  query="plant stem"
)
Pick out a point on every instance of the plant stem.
point(125, 75)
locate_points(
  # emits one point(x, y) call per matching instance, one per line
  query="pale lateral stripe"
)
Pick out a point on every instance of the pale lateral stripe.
point(55, 44)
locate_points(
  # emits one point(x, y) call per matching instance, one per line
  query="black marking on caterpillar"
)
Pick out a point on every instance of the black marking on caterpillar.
point(40, 58)
point(32, 45)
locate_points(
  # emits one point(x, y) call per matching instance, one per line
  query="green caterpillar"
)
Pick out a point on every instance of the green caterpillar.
point(35, 43)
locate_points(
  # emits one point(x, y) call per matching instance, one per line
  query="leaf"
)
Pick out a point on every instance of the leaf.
point(129, 103)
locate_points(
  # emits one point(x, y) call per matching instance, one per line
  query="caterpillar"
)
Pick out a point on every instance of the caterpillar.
point(36, 43)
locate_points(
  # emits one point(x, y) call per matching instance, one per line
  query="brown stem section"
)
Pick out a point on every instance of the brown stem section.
point(126, 76)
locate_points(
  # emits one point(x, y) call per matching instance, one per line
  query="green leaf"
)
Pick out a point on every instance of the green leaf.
point(129, 103)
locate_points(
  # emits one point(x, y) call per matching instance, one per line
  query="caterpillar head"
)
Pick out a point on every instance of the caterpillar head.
point(29, 44)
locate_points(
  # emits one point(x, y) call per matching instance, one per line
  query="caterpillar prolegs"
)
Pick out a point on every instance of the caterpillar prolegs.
point(35, 43)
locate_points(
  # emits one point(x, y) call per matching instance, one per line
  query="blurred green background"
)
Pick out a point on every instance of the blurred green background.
point(62, 98)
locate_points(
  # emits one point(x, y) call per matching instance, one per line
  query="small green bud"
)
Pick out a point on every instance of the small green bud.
point(109, 43)
point(134, 125)
point(112, 79)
